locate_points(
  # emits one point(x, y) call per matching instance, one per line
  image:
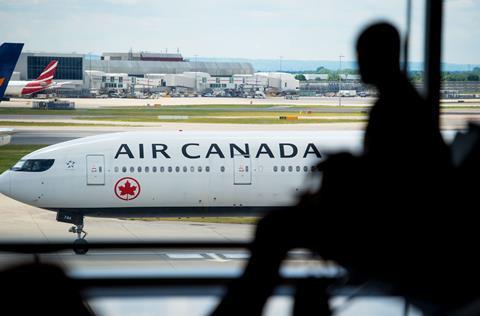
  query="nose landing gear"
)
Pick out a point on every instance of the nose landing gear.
point(80, 245)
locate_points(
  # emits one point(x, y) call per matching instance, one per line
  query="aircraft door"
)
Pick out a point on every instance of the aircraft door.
point(242, 170)
point(95, 169)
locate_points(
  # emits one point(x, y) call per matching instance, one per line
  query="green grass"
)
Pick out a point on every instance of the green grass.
point(226, 120)
point(221, 220)
point(123, 111)
point(211, 114)
point(155, 111)
point(10, 154)
point(225, 114)
point(460, 107)
point(207, 106)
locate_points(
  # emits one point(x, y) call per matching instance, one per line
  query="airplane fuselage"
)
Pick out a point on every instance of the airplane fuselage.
point(172, 173)
point(23, 88)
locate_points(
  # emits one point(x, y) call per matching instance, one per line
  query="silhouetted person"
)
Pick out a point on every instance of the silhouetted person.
point(40, 289)
point(400, 117)
point(382, 215)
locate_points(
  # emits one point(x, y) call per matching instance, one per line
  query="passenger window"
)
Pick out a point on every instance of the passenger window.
point(199, 169)
point(170, 169)
point(282, 168)
point(147, 169)
point(100, 169)
point(222, 169)
point(185, 169)
point(154, 169)
point(124, 169)
point(275, 168)
point(132, 169)
point(177, 169)
point(116, 169)
point(207, 169)
point(297, 168)
point(305, 168)
point(162, 169)
point(139, 169)
point(192, 169)
point(290, 168)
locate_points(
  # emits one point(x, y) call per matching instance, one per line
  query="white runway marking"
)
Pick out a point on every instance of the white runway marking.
point(236, 256)
point(184, 256)
point(216, 257)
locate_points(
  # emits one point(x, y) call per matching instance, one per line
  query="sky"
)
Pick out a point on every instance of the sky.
point(260, 29)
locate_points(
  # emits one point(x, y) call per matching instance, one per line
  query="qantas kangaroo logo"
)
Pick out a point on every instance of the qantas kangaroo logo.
point(127, 189)
point(43, 81)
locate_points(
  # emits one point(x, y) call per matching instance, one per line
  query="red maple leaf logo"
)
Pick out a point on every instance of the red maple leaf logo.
point(127, 189)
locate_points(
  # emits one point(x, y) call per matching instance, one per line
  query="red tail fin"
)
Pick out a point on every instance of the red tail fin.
point(49, 71)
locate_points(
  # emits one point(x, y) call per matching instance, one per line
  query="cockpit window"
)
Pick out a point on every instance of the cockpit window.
point(33, 165)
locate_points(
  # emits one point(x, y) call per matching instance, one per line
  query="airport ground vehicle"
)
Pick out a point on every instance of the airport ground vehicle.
point(347, 93)
point(259, 95)
point(292, 97)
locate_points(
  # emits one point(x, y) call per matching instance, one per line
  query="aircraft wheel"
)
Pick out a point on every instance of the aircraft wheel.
point(80, 246)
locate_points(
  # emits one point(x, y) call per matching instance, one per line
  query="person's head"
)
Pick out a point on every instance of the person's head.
point(378, 53)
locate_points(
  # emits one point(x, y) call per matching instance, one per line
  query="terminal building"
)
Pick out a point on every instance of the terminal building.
point(75, 68)
point(197, 82)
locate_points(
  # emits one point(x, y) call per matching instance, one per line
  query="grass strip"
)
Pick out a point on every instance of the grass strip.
point(217, 220)
point(10, 154)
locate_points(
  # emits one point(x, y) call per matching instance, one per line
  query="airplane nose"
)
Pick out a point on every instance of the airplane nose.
point(5, 183)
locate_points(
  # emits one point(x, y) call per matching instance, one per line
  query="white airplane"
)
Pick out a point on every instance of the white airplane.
point(5, 136)
point(135, 174)
point(43, 82)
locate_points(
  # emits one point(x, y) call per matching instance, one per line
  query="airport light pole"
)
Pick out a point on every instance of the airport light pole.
point(340, 81)
point(90, 74)
point(196, 70)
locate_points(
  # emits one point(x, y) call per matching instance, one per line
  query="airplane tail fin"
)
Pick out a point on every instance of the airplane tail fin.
point(9, 54)
point(48, 72)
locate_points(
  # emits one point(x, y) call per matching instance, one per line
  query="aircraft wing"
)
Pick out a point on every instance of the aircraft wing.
point(57, 85)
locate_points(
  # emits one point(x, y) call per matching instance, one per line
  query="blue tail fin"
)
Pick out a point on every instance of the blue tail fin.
point(9, 53)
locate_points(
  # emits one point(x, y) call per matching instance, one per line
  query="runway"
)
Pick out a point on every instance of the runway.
point(83, 103)
point(20, 222)
point(33, 136)
point(451, 119)
point(23, 223)
point(53, 135)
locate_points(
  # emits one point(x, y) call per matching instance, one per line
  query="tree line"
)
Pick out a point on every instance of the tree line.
point(473, 75)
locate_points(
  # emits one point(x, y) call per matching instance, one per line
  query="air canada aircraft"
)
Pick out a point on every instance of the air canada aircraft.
point(142, 174)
